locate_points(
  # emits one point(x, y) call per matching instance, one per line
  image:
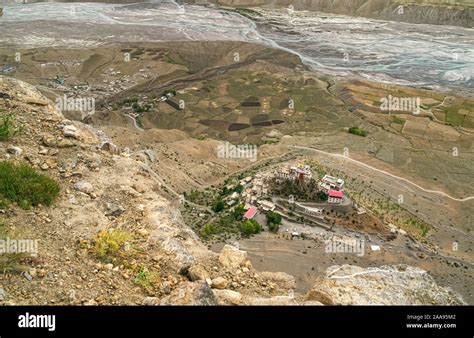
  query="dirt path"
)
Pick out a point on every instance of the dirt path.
point(387, 173)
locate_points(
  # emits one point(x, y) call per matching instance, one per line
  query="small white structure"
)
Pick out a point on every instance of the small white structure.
point(329, 183)
point(267, 205)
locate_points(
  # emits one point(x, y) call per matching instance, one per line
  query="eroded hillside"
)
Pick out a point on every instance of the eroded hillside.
point(443, 12)
point(112, 238)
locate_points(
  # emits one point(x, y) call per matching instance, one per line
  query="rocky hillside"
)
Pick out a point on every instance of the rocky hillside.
point(442, 12)
point(387, 285)
point(112, 238)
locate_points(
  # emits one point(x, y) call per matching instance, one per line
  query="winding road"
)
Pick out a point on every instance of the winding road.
point(441, 193)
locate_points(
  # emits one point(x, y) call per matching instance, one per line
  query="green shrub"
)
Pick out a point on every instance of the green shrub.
point(358, 131)
point(23, 185)
point(109, 245)
point(7, 129)
point(207, 230)
point(250, 227)
point(322, 196)
point(148, 280)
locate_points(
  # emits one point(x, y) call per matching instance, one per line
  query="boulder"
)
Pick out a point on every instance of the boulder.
point(84, 186)
point(231, 257)
point(70, 131)
point(284, 280)
point(3, 294)
point(191, 293)
point(110, 147)
point(64, 144)
point(219, 283)
point(16, 151)
point(275, 301)
point(150, 154)
point(228, 297)
point(114, 209)
point(49, 140)
point(197, 272)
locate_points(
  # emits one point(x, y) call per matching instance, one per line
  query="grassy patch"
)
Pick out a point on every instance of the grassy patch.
point(23, 185)
point(7, 128)
point(420, 225)
point(358, 131)
point(398, 120)
point(207, 230)
point(148, 280)
point(454, 118)
point(109, 245)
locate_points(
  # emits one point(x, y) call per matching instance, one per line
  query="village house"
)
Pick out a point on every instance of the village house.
point(267, 205)
point(335, 197)
point(296, 173)
point(249, 214)
point(328, 183)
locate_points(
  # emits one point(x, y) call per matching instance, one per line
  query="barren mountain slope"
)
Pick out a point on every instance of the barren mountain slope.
point(106, 191)
point(443, 12)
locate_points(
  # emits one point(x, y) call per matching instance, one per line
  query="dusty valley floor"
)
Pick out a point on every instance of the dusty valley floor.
point(158, 151)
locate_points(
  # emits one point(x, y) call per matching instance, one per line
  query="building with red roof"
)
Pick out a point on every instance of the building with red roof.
point(251, 212)
point(335, 196)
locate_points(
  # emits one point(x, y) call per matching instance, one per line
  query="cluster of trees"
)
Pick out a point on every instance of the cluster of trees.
point(250, 227)
point(303, 192)
point(226, 191)
point(137, 108)
point(226, 221)
point(219, 205)
point(273, 221)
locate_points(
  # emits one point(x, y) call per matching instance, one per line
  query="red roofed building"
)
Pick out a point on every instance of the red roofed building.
point(335, 197)
point(251, 212)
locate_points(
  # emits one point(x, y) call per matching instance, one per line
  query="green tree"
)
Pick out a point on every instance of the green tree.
point(218, 206)
point(238, 212)
point(250, 227)
point(273, 221)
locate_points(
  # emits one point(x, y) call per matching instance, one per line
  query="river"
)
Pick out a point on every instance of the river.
point(436, 57)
